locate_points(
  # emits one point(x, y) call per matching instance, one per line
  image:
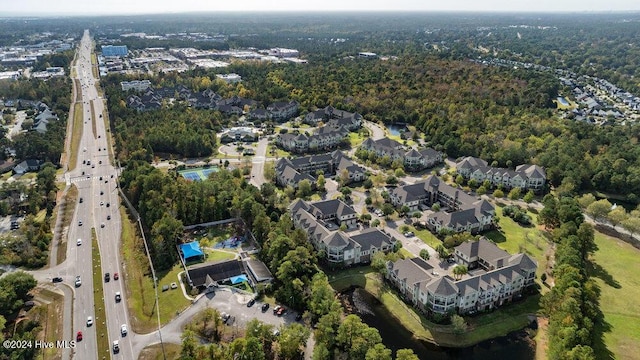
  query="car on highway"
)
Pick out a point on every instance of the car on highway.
point(123, 329)
point(79, 242)
point(56, 279)
point(115, 276)
point(80, 223)
point(116, 347)
point(118, 297)
point(101, 192)
point(79, 336)
point(265, 307)
point(109, 218)
point(102, 225)
point(78, 281)
point(89, 321)
point(108, 204)
point(251, 302)
point(101, 202)
point(81, 198)
point(107, 277)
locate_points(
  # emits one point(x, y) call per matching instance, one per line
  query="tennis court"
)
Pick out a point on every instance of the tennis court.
point(197, 174)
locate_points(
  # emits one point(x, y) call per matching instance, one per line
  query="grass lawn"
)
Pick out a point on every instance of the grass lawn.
point(514, 238)
point(100, 315)
point(355, 139)
point(76, 134)
point(215, 255)
point(154, 352)
point(615, 267)
point(501, 322)
point(140, 291)
point(51, 312)
point(67, 215)
point(426, 236)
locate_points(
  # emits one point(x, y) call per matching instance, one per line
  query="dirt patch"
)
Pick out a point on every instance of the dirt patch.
point(541, 338)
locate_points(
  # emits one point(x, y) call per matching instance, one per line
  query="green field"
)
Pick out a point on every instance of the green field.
point(615, 266)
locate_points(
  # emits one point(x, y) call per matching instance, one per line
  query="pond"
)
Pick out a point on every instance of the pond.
point(515, 346)
point(397, 129)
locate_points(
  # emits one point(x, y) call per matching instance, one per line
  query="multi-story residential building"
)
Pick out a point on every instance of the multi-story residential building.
point(289, 172)
point(526, 177)
point(281, 111)
point(459, 211)
point(412, 159)
point(325, 138)
point(229, 78)
point(348, 120)
point(502, 277)
point(322, 220)
point(137, 85)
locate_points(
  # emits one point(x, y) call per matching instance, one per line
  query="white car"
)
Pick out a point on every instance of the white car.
point(78, 281)
point(89, 321)
point(79, 242)
point(116, 347)
point(123, 330)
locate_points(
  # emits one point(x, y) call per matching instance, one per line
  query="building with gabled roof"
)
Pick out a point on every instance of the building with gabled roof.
point(322, 221)
point(502, 278)
point(459, 212)
point(292, 171)
point(412, 159)
point(526, 176)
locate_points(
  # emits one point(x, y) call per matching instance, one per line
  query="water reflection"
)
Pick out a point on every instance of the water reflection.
point(515, 346)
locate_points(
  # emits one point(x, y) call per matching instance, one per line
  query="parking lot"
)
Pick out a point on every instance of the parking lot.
point(5, 222)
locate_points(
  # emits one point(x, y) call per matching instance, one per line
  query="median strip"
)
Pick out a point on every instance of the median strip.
point(102, 337)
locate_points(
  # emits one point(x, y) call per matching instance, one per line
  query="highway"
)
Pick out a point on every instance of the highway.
point(97, 208)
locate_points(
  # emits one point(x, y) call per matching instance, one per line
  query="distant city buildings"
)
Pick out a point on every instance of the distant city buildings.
point(115, 50)
point(229, 78)
point(284, 53)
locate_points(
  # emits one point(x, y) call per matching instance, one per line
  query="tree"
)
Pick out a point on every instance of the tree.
point(378, 352)
point(375, 223)
point(459, 271)
point(406, 354)
point(379, 262)
point(424, 254)
point(586, 200)
point(498, 194)
point(320, 183)
point(387, 209)
point(189, 345)
point(404, 210)
point(459, 325)
point(442, 252)
point(515, 193)
point(292, 340)
point(481, 190)
point(617, 216)
point(632, 225)
point(459, 180)
point(598, 210)
point(355, 337)
point(322, 298)
point(165, 233)
point(304, 189)
point(528, 197)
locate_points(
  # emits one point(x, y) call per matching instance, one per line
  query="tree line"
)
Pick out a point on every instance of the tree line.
point(572, 305)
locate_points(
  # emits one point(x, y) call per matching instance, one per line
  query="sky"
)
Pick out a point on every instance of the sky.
point(95, 7)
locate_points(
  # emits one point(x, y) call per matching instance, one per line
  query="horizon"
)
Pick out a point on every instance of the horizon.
point(73, 8)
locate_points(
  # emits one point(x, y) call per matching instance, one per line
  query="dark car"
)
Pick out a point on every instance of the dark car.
point(299, 317)
point(107, 277)
point(81, 200)
point(265, 307)
point(251, 302)
point(115, 276)
point(101, 192)
point(108, 205)
point(79, 336)
point(57, 279)
point(108, 217)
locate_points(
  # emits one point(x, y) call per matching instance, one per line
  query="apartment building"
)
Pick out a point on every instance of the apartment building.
point(526, 176)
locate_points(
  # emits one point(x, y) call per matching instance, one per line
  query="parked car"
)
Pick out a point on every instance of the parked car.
point(276, 309)
point(299, 317)
point(265, 307)
point(281, 311)
point(56, 279)
point(251, 302)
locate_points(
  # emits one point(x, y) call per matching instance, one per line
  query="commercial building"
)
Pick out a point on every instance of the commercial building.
point(114, 50)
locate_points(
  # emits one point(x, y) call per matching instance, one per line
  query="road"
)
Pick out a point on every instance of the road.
point(257, 168)
point(96, 179)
